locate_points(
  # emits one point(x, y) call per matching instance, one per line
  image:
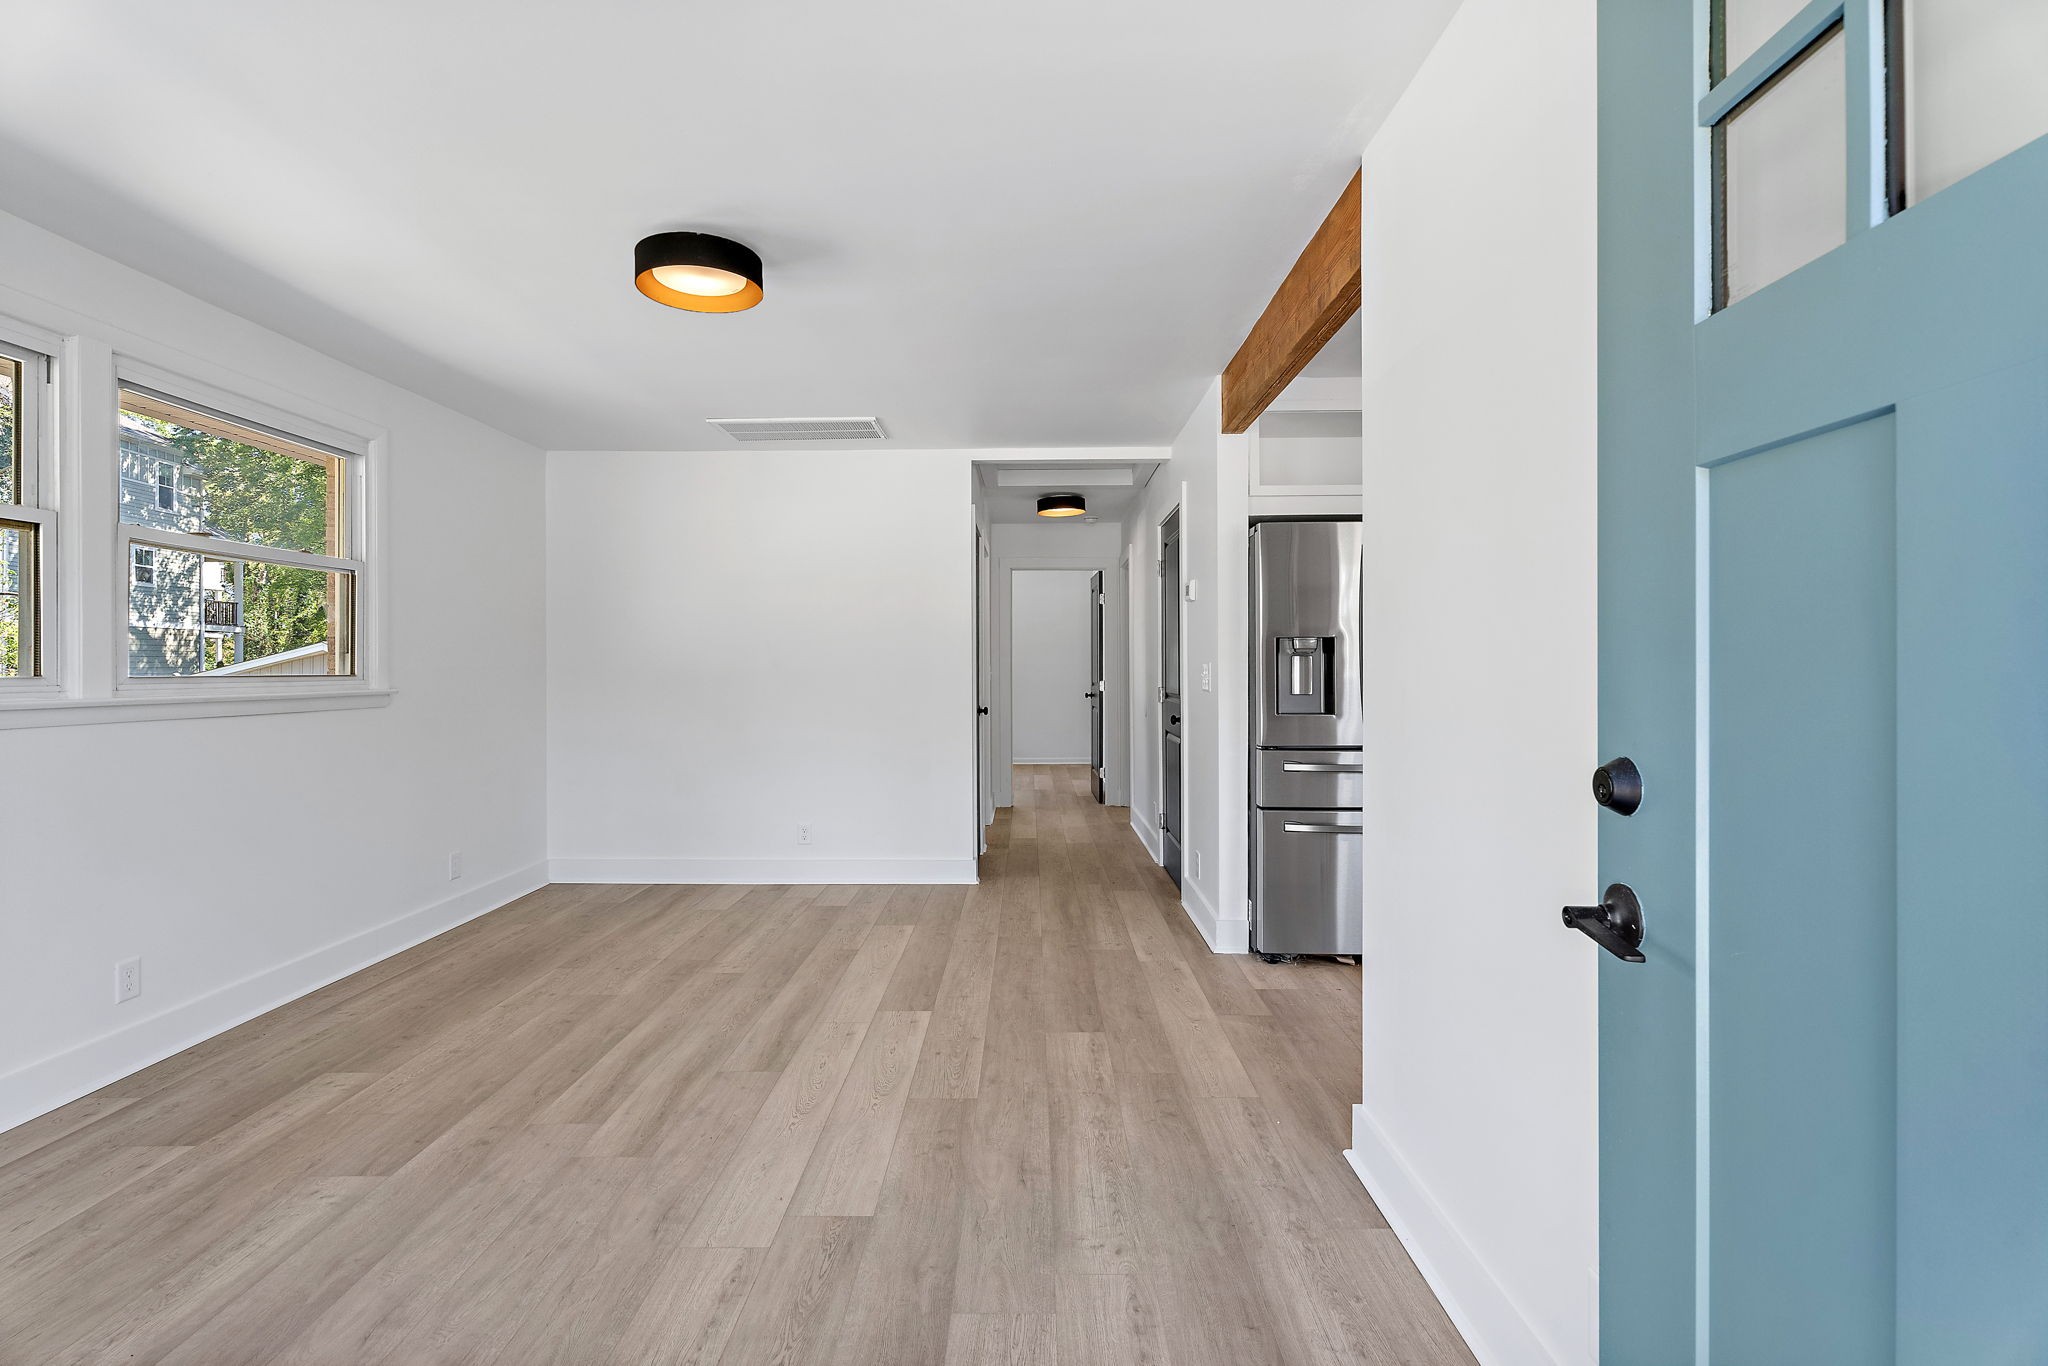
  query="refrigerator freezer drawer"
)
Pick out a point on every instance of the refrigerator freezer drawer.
point(1305, 778)
point(1310, 883)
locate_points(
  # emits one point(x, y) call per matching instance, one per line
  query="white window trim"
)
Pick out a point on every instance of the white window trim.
point(85, 583)
point(356, 453)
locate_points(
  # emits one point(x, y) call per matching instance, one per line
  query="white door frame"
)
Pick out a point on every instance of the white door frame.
point(984, 746)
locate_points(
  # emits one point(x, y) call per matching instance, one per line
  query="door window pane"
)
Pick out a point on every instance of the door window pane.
point(1976, 86)
point(18, 654)
point(1785, 163)
point(194, 614)
point(184, 470)
point(1747, 25)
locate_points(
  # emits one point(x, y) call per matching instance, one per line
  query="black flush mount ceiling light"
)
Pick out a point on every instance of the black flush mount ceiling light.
point(697, 271)
point(1062, 505)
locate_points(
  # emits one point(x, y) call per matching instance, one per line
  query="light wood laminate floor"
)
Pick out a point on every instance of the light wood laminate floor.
point(1032, 1121)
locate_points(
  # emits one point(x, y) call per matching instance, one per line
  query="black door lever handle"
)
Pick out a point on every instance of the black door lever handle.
point(1616, 924)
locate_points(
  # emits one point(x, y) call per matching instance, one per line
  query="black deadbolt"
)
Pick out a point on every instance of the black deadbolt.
point(1618, 786)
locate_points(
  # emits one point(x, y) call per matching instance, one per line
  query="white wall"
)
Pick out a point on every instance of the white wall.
point(744, 642)
point(1051, 540)
point(1478, 1131)
point(1051, 613)
point(1206, 476)
point(248, 859)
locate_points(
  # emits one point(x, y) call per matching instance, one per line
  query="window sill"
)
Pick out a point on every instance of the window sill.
point(34, 712)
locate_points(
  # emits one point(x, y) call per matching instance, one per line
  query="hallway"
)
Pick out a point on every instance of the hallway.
point(1029, 1121)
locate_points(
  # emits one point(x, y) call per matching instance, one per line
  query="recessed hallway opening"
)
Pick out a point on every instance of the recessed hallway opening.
point(1031, 1120)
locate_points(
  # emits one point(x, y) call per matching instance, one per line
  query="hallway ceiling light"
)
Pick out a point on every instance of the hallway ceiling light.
point(1062, 505)
point(698, 272)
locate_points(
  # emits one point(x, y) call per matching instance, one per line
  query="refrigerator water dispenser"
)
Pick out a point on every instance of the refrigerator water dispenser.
point(1301, 684)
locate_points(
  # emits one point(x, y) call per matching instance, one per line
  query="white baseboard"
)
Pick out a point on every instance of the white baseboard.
point(1479, 1306)
point(1222, 936)
point(765, 872)
point(1082, 762)
point(1148, 833)
point(63, 1077)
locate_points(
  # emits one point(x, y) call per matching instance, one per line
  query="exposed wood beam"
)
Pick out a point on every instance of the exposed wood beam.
point(1318, 296)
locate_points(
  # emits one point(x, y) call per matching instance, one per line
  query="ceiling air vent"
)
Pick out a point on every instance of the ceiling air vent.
point(800, 428)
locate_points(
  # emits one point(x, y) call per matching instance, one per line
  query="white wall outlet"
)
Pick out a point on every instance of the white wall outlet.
point(1195, 857)
point(1207, 678)
point(127, 980)
point(803, 834)
point(455, 865)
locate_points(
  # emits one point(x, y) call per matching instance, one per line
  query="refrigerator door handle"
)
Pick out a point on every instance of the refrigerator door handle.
point(1322, 768)
point(1318, 828)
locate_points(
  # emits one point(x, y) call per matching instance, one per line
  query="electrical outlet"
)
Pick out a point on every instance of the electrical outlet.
point(803, 834)
point(127, 980)
point(1195, 858)
point(455, 865)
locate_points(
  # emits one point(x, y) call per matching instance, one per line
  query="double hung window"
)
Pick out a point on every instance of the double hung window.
point(241, 539)
point(26, 523)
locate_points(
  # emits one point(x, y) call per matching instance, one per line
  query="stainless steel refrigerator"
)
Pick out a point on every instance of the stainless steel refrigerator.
point(1308, 775)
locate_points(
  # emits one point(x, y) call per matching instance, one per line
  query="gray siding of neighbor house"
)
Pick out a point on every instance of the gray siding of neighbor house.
point(165, 631)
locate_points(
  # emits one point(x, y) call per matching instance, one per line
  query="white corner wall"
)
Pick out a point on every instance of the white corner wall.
point(1478, 1132)
point(741, 644)
point(1206, 477)
point(250, 859)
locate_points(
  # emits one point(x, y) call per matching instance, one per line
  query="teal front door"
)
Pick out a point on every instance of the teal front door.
point(1824, 643)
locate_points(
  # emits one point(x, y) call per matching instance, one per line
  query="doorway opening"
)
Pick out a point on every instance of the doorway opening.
point(1170, 731)
point(1055, 659)
point(1052, 663)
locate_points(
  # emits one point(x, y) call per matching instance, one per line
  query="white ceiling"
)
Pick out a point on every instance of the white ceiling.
point(1020, 225)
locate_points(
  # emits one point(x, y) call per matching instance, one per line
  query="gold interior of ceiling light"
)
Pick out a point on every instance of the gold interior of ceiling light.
point(697, 272)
